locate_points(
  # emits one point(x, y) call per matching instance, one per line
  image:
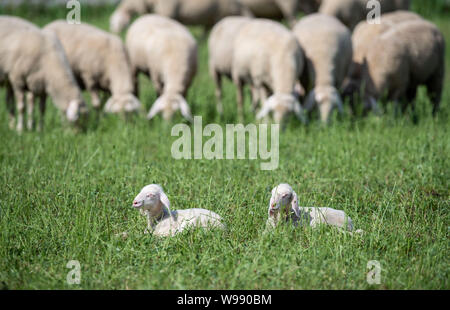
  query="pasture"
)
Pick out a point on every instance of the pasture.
point(64, 196)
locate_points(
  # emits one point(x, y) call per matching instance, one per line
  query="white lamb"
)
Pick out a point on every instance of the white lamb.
point(33, 61)
point(283, 207)
point(100, 62)
point(327, 44)
point(166, 51)
point(267, 56)
point(153, 203)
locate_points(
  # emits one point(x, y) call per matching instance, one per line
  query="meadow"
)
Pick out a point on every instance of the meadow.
point(64, 195)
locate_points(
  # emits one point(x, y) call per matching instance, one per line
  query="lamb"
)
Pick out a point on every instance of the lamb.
point(188, 12)
point(278, 9)
point(267, 56)
point(363, 38)
point(351, 12)
point(32, 60)
point(153, 203)
point(327, 44)
point(413, 54)
point(283, 207)
point(166, 51)
point(220, 47)
point(100, 62)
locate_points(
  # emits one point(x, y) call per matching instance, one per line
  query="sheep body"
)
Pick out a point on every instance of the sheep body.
point(33, 61)
point(153, 203)
point(166, 51)
point(220, 47)
point(100, 62)
point(268, 57)
point(188, 12)
point(327, 45)
point(413, 54)
point(351, 12)
point(363, 39)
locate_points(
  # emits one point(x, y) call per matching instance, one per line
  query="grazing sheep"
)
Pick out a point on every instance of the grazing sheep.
point(33, 61)
point(268, 57)
point(283, 207)
point(164, 50)
point(363, 38)
point(327, 45)
point(220, 46)
point(351, 12)
point(99, 62)
point(278, 9)
point(188, 12)
point(413, 54)
point(153, 203)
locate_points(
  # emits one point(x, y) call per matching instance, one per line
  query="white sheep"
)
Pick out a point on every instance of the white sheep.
point(153, 203)
point(166, 51)
point(268, 57)
point(412, 54)
point(283, 207)
point(100, 62)
point(362, 39)
point(220, 47)
point(33, 61)
point(351, 12)
point(327, 44)
point(188, 12)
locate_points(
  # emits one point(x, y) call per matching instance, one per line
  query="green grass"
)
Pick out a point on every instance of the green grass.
point(64, 196)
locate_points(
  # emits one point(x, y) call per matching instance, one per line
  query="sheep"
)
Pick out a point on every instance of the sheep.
point(283, 207)
point(363, 38)
point(166, 51)
point(188, 12)
point(153, 203)
point(351, 12)
point(327, 45)
point(220, 47)
point(413, 54)
point(100, 62)
point(32, 60)
point(278, 9)
point(267, 56)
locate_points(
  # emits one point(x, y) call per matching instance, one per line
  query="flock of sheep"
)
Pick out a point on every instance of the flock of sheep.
point(318, 63)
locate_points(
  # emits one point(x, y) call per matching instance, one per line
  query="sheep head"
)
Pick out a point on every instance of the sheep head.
point(118, 21)
point(127, 103)
point(152, 199)
point(327, 98)
point(281, 105)
point(168, 104)
point(283, 199)
point(76, 112)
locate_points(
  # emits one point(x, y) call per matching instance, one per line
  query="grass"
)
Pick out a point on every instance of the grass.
point(65, 195)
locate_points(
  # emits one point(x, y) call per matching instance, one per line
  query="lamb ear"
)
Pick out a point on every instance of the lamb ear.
point(165, 201)
point(294, 204)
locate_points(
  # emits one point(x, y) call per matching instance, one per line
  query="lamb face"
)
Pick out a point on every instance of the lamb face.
point(327, 99)
point(283, 199)
point(152, 199)
point(128, 103)
point(281, 106)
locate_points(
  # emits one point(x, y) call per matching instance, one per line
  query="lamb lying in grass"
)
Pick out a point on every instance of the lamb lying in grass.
point(153, 203)
point(284, 200)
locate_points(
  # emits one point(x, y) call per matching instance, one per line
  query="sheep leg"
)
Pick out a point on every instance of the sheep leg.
point(240, 97)
point(218, 81)
point(255, 97)
point(156, 83)
point(95, 99)
point(10, 105)
point(30, 108)
point(20, 105)
point(42, 101)
point(435, 88)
